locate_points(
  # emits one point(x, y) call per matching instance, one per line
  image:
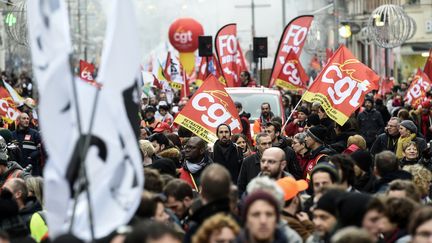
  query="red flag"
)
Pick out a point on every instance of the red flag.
point(416, 92)
point(86, 71)
point(166, 71)
point(227, 51)
point(293, 38)
point(341, 86)
point(292, 76)
point(428, 66)
point(8, 110)
point(241, 61)
point(156, 83)
point(217, 70)
point(386, 86)
point(209, 107)
point(329, 54)
point(185, 92)
point(202, 70)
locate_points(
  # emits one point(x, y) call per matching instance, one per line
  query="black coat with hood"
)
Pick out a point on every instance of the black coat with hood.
point(230, 156)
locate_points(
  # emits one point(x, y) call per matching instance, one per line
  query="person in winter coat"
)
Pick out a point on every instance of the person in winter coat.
point(318, 152)
point(227, 153)
point(388, 139)
point(265, 227)
point(370, 122)
point(408, 133)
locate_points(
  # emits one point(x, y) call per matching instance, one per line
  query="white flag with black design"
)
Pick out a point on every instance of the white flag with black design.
point(113, 160)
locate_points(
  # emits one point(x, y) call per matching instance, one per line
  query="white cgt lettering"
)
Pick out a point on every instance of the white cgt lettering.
point(292, 73)
point(183, 37)
point(212, 118)
point(338, 94)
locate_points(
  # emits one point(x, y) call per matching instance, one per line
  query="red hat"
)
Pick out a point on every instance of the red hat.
point(162, 126)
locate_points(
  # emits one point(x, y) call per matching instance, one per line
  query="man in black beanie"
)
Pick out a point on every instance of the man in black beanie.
point(363, 171)
point(370, 122)
point(314, 140)
point(324, 215)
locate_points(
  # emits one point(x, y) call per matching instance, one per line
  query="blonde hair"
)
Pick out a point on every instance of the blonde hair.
point(215, 223)
point(146, 148)
point(357, 140)
point(35, 186)
point(421, 177)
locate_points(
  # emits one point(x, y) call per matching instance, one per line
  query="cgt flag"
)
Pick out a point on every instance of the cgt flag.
point(8, 111)
point(292, 76)
point(226, 49)
point(341, 86)
point(292, 39)
point(416, 92)
point(209, 107)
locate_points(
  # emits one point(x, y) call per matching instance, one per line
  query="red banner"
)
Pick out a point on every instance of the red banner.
point(293, 38)
point(386, 86)
point(241, 61)
point(8, 111)
point(227, 51)
point(292, 76)
point(341, 86)
point(209, 107)
point(428, 66)
point(416, 92)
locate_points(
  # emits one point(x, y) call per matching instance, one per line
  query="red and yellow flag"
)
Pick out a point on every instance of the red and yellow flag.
point(341, 86)
point(292, 76)
point(209, 107)
point(292, 39)
point(416, 92)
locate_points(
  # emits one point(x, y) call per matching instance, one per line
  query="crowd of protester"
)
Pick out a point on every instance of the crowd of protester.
point(309, 180)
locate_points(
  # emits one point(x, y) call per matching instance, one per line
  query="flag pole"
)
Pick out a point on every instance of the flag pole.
point(82, 176)
point(292, 112)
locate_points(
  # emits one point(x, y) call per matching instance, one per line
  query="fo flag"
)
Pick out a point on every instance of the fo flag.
point(416, 92)
point(428, 66)
point(341, 86)
point(292, 39)
point(292, 76)
point(209, 107)
point(226, 49)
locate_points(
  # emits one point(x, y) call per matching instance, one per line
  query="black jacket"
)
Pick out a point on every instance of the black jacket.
point(230, 156)
point(370, 124)
point(384, 142)
point(29, 142)
point(381, 184)
point(250, 169)
point(292, 165)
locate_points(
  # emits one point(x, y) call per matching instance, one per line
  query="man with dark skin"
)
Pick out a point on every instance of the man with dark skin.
point(196, 160)
point(226, 153)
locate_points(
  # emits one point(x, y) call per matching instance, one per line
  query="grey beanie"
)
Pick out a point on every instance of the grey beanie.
point(409, 125)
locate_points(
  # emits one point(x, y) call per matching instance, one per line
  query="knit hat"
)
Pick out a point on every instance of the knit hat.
point(259, 195)
point(409, 125)
point(362, 159)
point(328, 201)
point(165, 166)
point(6, 134)
point(345, 206)
point(291, 187)
point(313, 120)
point(326, 167)
point(318, 133)
point(303, 109)
point(369, 98)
